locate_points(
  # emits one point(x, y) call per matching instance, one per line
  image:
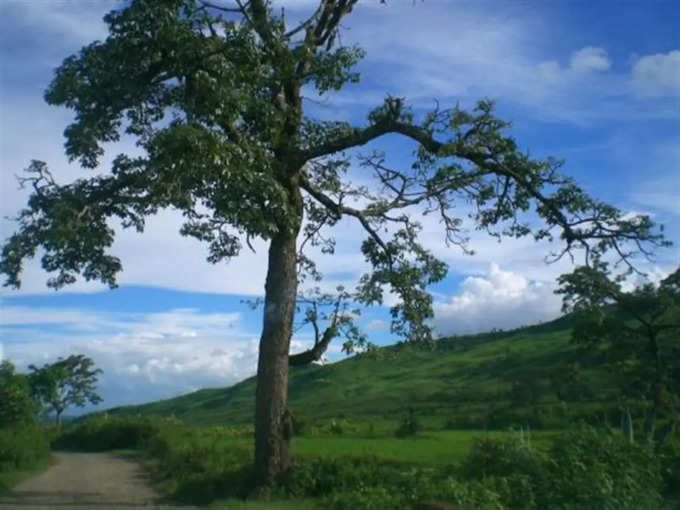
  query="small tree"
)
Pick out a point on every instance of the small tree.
point(639, 331)
point(213, 93)
point(69, 381)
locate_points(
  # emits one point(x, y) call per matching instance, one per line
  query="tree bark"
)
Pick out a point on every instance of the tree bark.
point(315, 353)
point(272, 419)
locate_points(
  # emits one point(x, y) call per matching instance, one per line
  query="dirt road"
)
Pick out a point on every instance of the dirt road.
point(85, 480)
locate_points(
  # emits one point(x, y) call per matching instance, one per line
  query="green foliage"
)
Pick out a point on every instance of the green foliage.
point(409, 425)
point(23, 443)
point(368, 483)
point(300, 424)
point(16, 406)
point(670, 470)
point(22, 447)
point(103, 432)
point(66, 382)
point(637, 331)
point(583, 468)
point(588, 469)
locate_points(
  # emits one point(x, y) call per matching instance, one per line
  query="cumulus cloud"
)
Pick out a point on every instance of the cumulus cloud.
point(658, 74)
point(590, 58)
point(584, 61)
point(496, 299)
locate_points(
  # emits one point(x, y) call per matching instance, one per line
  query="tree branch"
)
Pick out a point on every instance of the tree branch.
point(340, 209)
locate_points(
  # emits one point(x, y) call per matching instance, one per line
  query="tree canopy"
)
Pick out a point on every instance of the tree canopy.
point(64, 383)
point(638, 329)
point(213, 94)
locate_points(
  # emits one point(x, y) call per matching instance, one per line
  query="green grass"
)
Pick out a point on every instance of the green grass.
point(429, 447)
point(239, 504)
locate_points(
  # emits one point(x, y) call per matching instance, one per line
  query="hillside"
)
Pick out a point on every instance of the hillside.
point(491, 379)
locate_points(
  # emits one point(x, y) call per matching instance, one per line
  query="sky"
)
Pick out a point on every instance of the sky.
point(594, 83)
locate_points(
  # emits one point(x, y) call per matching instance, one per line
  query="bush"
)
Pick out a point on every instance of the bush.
point(22, 447)
point(16, 406)
point(511, 468)
point(299, 424)
point(103, 432)
point(582, 469)
point(670, 470)
point(409, 425)
point(591, 469)
point(501, 457)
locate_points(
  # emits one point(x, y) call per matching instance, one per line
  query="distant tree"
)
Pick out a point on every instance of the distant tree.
point(213, 93)
point(638, 329)
point(67, 382)
point(16, 405)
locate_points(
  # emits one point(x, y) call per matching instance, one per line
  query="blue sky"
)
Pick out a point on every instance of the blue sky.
point(596, 83)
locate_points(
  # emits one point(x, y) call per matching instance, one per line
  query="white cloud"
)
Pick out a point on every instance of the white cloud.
point(658, 74)
point(497, 299)
point(144, 356)
point(590, 58)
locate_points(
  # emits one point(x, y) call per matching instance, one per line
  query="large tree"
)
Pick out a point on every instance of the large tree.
point(213, 93)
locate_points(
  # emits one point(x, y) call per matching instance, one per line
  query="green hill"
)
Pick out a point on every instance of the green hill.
point(491, 379)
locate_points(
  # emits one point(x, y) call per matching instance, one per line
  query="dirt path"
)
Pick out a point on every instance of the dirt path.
point(85, 480)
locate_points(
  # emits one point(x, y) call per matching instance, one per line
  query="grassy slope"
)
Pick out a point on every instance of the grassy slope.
point(463, 374)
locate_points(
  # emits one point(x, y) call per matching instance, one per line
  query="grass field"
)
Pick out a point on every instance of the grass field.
point(430, 447)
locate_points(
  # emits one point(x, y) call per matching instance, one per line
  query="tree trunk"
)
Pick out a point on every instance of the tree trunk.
point(58, 417)
point(272, 419)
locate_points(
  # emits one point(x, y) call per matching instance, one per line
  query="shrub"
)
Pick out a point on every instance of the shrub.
point(591, 469)
point(103, 432)
point(299, 424)
point(369, 483)
point(16, 407)
point(409, 425)
point(670, 470)
point(511, 468)
point(502, 457)
point(22, 447)
point(582, 469)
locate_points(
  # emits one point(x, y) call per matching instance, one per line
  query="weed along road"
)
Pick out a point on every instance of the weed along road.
point(85, 480)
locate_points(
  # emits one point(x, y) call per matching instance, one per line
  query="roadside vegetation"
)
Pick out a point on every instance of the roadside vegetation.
point(24, 443)
point(26, 402)
point(337, 465)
